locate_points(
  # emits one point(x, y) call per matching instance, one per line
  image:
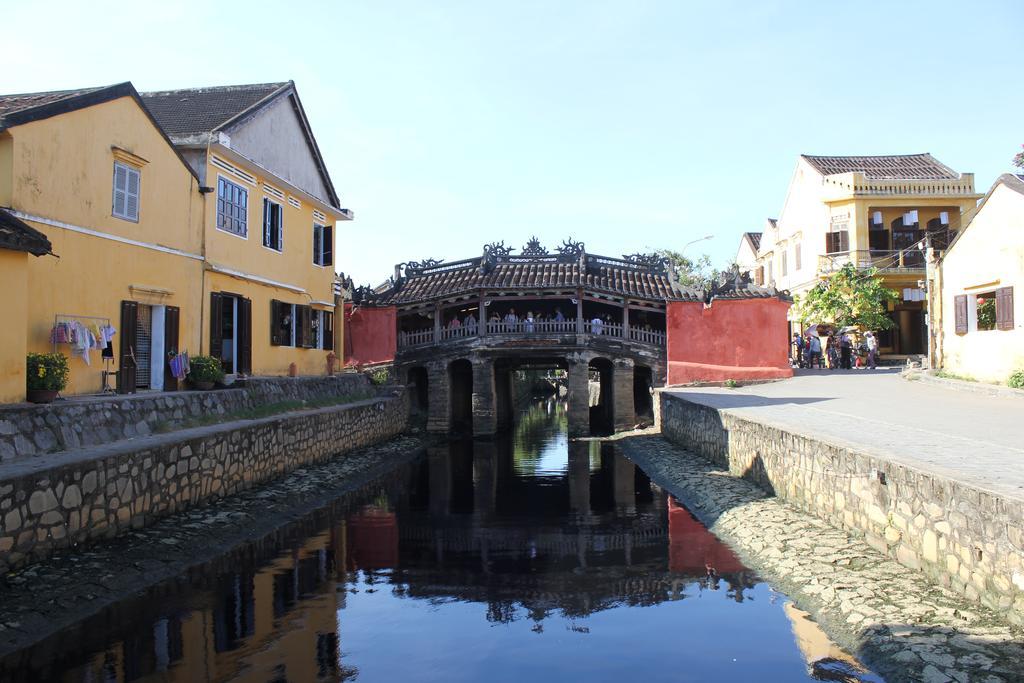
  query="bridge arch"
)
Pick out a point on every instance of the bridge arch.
point(460, 396)
point(418, 385)
point(643, 399)
point(600, 378)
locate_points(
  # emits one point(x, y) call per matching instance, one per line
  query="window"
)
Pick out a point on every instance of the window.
point(991, 311)
point(759, 276)
point(295, 325)
point(323, 245)
point(326, 331)
point(126, 192)
point(796, 256)
point(232, 207)
point(784, 264)
point(837, 242)
point(273, 222)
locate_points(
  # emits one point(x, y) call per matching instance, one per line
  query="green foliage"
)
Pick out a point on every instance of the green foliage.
point(47, 371)
point(205, 369)
point(1018, 159)
point(379, 376)
point(849, 297)
point(987, 313)
point(731, 384)
point(689, 272)
point(1016, 380)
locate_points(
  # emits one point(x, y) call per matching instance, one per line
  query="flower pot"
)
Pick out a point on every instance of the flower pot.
point(41, 395)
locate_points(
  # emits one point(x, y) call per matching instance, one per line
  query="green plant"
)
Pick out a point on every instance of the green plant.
point(1016, 380)
point(986, 313)
point(731, 384)
point(47, 371)
point(850, 296)
point(379, 376)
point(205, 369)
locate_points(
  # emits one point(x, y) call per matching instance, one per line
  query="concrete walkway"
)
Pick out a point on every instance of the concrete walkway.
point(974, 438)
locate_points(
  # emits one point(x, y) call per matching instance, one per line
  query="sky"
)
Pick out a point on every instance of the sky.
point(632, 125)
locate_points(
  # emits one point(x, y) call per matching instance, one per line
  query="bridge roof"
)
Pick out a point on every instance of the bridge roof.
point(638, 276)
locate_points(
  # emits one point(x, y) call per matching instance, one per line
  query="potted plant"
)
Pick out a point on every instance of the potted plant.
point(47, 375)
point(204, 372)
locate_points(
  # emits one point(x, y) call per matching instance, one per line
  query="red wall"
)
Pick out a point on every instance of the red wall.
point(370, 335)
point(741, 339)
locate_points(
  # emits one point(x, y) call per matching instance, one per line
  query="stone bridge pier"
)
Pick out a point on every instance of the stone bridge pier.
point(474, 393)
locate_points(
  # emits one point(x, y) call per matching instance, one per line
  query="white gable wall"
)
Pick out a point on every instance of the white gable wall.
point(274, 138)
point(989, 255)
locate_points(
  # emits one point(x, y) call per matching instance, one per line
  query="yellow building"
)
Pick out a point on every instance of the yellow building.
point(270, 225)
point(979, 306)
point(93, 171)
point(17, 242)
point(870, 211)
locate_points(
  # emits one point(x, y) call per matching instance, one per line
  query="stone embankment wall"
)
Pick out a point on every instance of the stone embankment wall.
point(966, 539)
point(27, 429)
point(52, 502)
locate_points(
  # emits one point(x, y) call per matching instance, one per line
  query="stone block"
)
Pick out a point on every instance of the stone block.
point(42, 501)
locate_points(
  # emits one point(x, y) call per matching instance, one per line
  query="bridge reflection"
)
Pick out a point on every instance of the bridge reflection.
point(532, 527)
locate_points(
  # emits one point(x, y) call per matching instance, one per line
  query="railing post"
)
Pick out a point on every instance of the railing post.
point(481, 312)
point(579, 311)
point(437, 323)
point(625, 319)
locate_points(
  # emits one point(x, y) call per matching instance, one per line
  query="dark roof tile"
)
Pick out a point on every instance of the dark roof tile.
point(17, 235)
point(898, 166)
point(194, 111)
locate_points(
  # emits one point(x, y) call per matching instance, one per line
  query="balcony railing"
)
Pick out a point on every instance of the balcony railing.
point(899, 260)
point(537, 328)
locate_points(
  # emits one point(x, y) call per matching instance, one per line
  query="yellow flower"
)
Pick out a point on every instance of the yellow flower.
point(42, 371)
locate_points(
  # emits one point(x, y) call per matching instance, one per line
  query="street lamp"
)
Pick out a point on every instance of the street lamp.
point(691, 242)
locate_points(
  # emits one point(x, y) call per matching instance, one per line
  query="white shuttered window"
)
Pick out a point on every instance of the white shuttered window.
point(126, 192)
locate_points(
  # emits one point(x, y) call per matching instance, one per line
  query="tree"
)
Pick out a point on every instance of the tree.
point(696, 273)
point(1018, 158)
point(849, 297)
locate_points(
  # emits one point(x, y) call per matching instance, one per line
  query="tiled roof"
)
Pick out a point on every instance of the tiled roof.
point(192, 111)
point(10, 104)
point(621, 277)
point(17, 235)
point(755, 239)
point(902, 166)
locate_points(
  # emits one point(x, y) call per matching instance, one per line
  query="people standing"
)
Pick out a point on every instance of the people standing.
point(845, 351)
point(596, 324)
point(511, 320)
point(798, 346)
point(872, 345)
point(559, 318)
point(815, 351)
point(471, 324)
point(529, 322)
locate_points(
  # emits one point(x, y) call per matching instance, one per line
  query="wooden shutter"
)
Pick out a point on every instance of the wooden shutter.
point(216, 322)
point(960, 313)
point(317, 241)
point(1004, 308)
point(267, 208)
point(305, 336)
point(276, 316)
point(327, 331)
point(126, 370)
point(279, 221)
point(120, 189)
point(132, 195)
point(244, 330)
point(328, 245)
point(172, 318)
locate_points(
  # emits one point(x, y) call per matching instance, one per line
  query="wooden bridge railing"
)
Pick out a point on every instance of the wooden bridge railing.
point(525, 328)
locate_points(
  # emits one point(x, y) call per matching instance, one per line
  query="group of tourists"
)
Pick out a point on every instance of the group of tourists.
point(513, 322)
point(837, 350)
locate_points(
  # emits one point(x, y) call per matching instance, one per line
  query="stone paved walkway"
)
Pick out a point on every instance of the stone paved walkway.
point(892, 618)
point(974, 438)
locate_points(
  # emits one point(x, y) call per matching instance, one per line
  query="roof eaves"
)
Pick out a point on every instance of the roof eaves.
point(29, 239)
point(67, 104)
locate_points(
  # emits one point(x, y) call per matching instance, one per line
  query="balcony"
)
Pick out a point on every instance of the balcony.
point(886, 261)
point(525, 330)
point(857, 184)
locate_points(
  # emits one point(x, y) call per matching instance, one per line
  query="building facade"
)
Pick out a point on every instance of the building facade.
point(876, 211)
point(979, 284)
point(270, 225)
point(93, 172)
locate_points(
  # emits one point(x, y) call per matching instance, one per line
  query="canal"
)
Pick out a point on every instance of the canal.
point(529, 557)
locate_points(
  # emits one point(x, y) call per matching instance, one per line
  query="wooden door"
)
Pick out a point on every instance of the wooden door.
point(172, 318)
point(126, 371)
point(243, 332)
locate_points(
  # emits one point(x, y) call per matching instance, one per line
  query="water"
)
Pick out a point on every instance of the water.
point(526, 558)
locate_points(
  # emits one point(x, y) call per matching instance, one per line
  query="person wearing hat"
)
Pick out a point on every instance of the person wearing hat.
point(872, 343)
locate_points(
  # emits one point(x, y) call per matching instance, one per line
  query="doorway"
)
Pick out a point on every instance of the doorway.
point(143, 346)
point(231, 332)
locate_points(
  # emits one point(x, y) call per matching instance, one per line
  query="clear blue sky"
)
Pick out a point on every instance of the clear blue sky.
point(629, 125)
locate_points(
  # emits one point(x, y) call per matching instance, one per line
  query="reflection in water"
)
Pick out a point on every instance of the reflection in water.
point(526, 557)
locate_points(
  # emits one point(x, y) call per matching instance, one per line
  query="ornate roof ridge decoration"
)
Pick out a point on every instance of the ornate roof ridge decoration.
point(533, 248)
point(651, 260)
point(421, 265)
point(496, 250)
point(571, 247)
point(732, 284)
